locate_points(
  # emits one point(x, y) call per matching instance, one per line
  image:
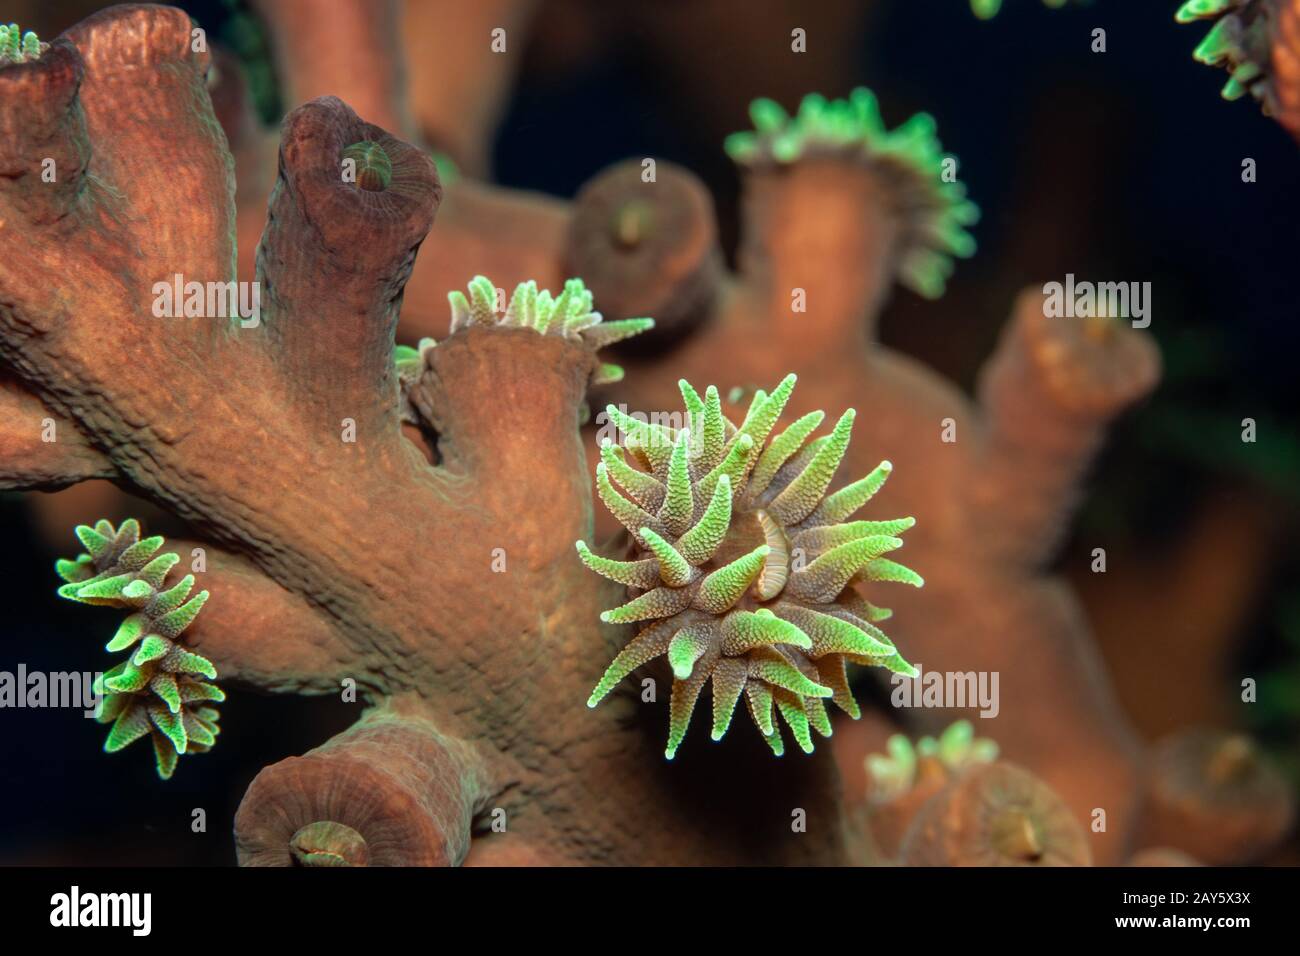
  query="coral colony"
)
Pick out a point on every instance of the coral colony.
point(743, 564)
point(432, 565)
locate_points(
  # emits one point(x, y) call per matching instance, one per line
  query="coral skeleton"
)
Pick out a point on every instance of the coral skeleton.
point(162, 688)
point(743, 565)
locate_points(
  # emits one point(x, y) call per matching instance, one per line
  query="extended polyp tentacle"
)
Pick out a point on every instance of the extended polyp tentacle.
point(1048, 393)
point(388, 791)
point(350, 209)
point(833, 187)
point(40, 449)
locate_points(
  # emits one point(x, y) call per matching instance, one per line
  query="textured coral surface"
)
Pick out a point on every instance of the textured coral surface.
point(382, 574)
point(434, 566)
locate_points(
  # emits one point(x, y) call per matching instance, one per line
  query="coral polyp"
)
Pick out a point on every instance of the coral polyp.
point(160, 689)
point(954, 749)
point(1241, 42)
point(19, 47)
point(743, 568)
point(571, 314)
point(932, 205)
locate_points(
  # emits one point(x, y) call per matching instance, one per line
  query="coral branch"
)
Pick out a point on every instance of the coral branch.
point(647, 247)
point(329, 47)
point(341, 178)
point(389, 791)
point(459, 76)
point(528, 363)
point(42, 134)
point(1049, 392)
point(257, 632)
point(915, 182)
point(39, 449)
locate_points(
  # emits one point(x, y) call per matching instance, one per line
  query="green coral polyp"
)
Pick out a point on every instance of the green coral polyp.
point(1240, 41)
point(910, 157)
point(19, 47)
point(743, 569)
point(988, 9)
point(373, 168)
point(570, 315)
point(894, 772)
point(162, 688)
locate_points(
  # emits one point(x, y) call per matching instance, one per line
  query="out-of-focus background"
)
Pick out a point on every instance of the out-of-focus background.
point(1123, 164)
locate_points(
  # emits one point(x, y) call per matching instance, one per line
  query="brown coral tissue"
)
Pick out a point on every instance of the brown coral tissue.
point(350, 337)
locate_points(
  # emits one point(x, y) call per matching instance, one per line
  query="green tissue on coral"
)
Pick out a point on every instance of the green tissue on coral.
point(1240, 41)
point(19, 47)
point(162, 688)
point(909, 157)
point(743, 569)
point(570, 315)
point(957, 747)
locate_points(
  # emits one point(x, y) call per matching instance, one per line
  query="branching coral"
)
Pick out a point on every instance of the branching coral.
point(454, 730)
point(570, 315)
point(159, 690)
point(1258, 42)
point(922, 178)
point(742, 564)
point(315, 511)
